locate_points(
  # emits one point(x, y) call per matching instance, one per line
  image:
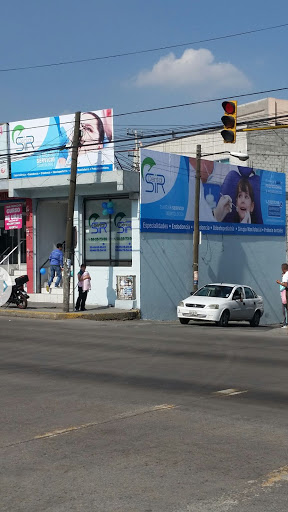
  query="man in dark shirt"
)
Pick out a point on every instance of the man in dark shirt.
point(56, 266)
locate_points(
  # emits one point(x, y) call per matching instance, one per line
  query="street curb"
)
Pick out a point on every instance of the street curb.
point(47, 315)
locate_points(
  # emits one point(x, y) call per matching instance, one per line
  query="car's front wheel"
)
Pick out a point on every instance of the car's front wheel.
point(184, 320)
point(224, 319)
point(256, 319)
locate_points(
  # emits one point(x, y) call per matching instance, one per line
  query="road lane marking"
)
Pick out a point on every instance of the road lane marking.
point(276, 476)
point(122, 416)
point(59, 432)
point(230, 392)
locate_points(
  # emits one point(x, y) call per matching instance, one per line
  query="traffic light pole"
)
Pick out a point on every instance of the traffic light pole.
point(196, 220)
point(70, 214)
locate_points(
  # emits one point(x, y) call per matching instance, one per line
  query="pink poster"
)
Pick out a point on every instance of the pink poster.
point(13, 216)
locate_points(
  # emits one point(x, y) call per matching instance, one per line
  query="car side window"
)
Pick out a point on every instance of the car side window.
point(237, 293)
point(248, 293)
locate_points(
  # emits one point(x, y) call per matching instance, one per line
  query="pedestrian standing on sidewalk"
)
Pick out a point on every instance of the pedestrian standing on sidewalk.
point(56, 266)
point(84, 285)
point(284, 292)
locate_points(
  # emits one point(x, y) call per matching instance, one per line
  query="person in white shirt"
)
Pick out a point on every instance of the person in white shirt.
point(284, 284)
point(84, 285)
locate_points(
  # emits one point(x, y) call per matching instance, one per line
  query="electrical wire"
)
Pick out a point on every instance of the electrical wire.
point(207, 130)
point(139, 52)
point(179, 105)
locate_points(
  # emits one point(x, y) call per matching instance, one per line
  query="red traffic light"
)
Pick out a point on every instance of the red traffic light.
point(229, 106)
point(229, 121)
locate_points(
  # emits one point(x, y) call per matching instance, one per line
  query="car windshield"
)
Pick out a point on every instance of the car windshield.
point(213, 290)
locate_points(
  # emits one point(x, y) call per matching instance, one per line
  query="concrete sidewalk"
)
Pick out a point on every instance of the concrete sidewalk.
point(54, 312)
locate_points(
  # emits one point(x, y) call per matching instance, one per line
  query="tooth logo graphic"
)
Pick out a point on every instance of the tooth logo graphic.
point(93, 218)
point(19, 128)
point(147, 161)
point(118, 218)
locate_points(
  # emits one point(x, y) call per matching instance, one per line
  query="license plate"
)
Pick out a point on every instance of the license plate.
point(191, 313)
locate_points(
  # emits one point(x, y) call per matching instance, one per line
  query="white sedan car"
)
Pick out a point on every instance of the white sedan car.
point(221, 302)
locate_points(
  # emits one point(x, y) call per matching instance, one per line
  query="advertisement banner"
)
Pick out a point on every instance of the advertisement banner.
point(4, 169)
point(108, 230)
point(42, 147)
point(13, 216)
point(233, 199)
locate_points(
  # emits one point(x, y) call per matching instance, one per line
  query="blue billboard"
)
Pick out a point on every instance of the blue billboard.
point(233, 199)
point(43, 147)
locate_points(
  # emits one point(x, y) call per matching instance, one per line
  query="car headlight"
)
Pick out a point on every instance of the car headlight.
point(213, 306)
point(181, 304)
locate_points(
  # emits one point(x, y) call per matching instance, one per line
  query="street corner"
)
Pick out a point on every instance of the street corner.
point(100, 315)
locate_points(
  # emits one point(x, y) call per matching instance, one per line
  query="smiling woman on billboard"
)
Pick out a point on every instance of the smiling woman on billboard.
point(42, 147)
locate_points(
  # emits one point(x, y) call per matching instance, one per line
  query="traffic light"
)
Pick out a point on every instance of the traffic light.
point(229, 121)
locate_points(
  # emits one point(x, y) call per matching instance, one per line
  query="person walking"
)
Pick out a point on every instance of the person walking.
point(84, 285)
point(283, 292)
point(56, 266)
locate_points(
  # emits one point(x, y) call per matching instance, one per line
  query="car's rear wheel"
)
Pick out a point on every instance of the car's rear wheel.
point(184, 320)
point(256, 319)
point(224, 319)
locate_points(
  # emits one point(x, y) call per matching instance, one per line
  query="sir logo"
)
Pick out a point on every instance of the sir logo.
point(123, 225)
point(155, 182)
point(23, 142)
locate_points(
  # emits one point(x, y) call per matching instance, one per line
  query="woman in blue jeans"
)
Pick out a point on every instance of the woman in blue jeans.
point(56, 266)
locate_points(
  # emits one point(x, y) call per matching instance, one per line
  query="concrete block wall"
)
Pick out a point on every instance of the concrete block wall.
point(212, 147)
point(167, 270)
point(268, 149)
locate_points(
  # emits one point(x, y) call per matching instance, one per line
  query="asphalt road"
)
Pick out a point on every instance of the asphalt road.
point(127, 416)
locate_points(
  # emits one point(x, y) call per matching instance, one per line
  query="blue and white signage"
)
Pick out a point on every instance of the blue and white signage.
point(233, 199)
point(42, 147)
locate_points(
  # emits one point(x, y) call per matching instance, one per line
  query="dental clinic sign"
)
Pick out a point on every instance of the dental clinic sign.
point(13, 216)
point(233, 199)
point(43, 147)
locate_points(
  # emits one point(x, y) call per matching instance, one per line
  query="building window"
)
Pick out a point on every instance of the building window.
point(108, 232)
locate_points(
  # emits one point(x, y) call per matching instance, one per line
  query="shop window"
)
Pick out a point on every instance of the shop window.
point(108, 232)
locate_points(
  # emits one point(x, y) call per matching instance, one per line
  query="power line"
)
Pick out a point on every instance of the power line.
point(179, 105)
point(202, 130)
point(201, 102)
point(139, 52)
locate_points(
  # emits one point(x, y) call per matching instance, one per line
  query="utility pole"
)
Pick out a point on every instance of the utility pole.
point(69, 249)
point(196, 219)
point(136, 155)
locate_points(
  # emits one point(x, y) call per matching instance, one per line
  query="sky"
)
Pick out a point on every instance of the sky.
point(34, 33)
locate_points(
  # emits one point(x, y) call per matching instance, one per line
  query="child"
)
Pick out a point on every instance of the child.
point(84, 285)
point(244, 201)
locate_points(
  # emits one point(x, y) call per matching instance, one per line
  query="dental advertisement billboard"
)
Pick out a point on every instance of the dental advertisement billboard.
point(43, 147)
point(233, 199)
